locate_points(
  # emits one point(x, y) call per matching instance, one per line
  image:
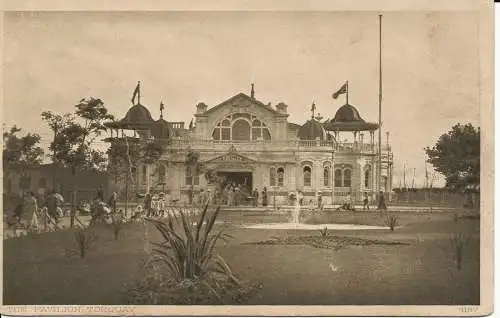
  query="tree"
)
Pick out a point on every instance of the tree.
point(72, 145)
point(57, 123)
point(23, 151)
point(456, 155)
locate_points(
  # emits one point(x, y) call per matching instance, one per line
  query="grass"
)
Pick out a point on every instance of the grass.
point(423, 272)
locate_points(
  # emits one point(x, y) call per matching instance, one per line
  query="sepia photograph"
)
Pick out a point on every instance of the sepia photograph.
point(266, 157)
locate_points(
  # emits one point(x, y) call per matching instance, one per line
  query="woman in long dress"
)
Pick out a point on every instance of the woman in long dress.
point(30, 207)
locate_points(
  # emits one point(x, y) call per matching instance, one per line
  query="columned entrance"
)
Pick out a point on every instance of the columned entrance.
point(237, 178)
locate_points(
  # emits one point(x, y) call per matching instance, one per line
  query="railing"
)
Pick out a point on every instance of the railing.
point(323, 145)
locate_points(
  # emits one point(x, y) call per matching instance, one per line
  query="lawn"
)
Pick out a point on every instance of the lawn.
point(40, 270)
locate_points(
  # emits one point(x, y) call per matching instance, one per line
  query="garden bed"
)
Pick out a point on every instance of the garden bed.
point(329, 242)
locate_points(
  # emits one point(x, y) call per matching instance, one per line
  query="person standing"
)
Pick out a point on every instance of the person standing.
point(255, 197)
point(30, 210)
point(320, 200)
point(52, 205)
point(147, 204)
point(381, 201)
point(366, 205)
point(264, 197)
point(112, 201)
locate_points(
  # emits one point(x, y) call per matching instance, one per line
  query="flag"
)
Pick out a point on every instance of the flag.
point(342, 90)
point(136, 92)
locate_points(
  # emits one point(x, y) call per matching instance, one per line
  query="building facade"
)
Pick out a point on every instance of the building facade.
point(253, 144)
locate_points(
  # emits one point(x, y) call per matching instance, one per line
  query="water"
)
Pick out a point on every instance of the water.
point(296, 213)
point(301, 226)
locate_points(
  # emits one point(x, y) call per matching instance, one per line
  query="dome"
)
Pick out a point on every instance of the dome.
point(311, 130)
point(160, 129)
point(138, 114)
point(347, 113)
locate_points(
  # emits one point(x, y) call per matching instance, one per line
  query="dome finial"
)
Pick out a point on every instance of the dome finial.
point(162, 107)
point(252, 92)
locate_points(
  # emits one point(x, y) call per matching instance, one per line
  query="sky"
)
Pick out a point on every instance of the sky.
point(429, 62)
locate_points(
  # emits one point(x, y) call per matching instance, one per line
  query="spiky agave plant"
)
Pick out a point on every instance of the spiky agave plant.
point(324, 233)
point(188, 248)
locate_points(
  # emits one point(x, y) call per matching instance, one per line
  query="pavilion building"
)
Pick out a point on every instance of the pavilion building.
point(253, 144)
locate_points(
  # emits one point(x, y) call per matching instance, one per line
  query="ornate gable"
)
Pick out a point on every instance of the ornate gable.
point(241, 103)
point(232, 156)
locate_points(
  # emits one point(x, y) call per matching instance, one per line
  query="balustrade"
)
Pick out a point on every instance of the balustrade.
point(305, 145)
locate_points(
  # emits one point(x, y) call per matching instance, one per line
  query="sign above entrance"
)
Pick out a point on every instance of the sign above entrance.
point(231, 156)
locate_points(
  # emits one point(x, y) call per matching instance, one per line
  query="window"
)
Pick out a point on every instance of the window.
point(241, 126)
point(281, 176)
point(307, 176)
point(338, 178)
point(272, 177)
point(161, 173)
point(347, 178)
point(367, 178)
point(144, 174)
point(326, 176)
point(241, 130)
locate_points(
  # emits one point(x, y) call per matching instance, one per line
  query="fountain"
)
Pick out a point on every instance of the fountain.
point(296, 225)
point(296, 210)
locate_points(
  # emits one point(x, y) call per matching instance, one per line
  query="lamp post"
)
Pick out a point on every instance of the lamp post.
point(332, 172)
point(274, 197)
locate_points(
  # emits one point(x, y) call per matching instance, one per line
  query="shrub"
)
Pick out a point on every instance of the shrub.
point(324, 233)
point(84, 240)
point(458, 242)
point(185, 267)
point(188, 249)
point(392, 221)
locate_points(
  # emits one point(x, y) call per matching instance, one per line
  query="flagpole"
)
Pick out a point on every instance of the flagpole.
point(379, 166)
point(346, 92)
point(139, 92)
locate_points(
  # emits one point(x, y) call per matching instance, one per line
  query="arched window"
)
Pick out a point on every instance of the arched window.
point(241, 126)
point(307, 176)
point(161, 173)
point(367, 177)
point(326, 176)
point(241, 130)
point(347, 178)
point(272, 176)
point(281, 177)
point(338, 178)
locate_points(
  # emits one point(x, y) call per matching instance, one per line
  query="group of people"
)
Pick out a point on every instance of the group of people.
point(30, 208)
point(255, 197)
point(381, 204)
point(234, 194)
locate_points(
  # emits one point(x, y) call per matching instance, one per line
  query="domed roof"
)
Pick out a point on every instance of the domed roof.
point(160, 129)
point(138, 114)
point(347, 113)
point(311, 130)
